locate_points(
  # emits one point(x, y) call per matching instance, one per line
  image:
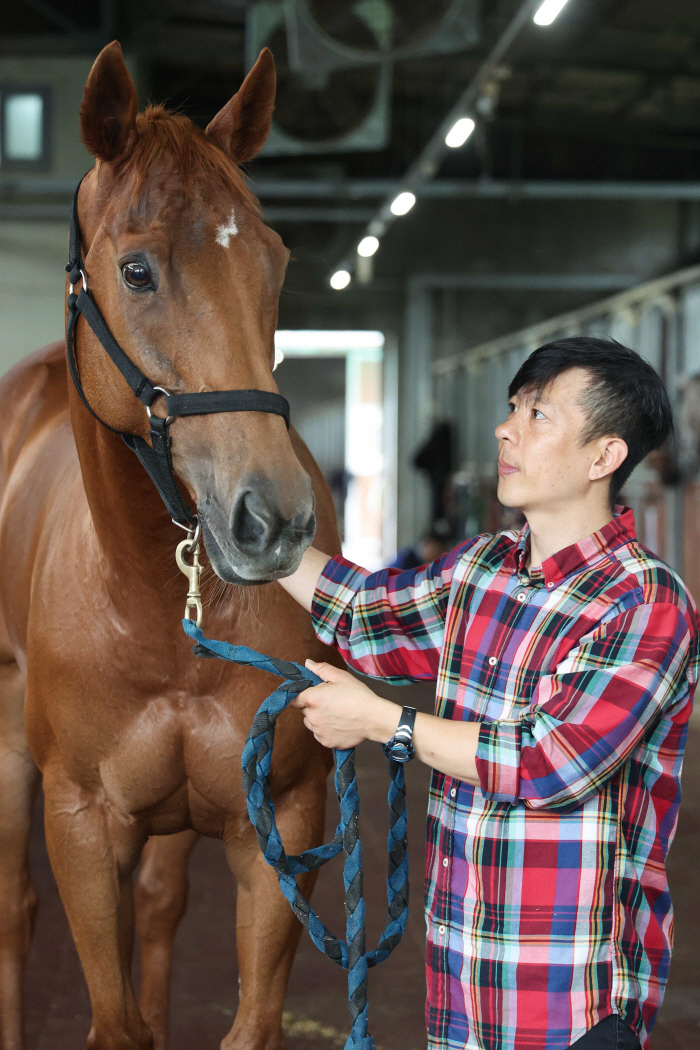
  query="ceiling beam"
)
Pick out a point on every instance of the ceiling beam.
point(60, 210)
point(16, 189)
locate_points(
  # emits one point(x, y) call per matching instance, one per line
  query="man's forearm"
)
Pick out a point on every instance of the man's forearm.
point(440, 743)
point(302, 583)
point(447, 746)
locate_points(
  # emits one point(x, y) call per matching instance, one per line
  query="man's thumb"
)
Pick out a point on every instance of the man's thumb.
point(327, 672)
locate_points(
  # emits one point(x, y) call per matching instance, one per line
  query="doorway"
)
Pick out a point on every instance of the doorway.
point(336, 384)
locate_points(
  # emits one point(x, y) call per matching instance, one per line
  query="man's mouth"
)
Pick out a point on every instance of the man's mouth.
point(504, 469)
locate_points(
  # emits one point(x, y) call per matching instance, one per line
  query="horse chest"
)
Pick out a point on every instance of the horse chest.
point(170, 747)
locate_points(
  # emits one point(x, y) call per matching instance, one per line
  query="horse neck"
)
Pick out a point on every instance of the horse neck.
point(130, 522)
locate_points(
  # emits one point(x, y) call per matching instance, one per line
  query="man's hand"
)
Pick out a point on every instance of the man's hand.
point(342, 712)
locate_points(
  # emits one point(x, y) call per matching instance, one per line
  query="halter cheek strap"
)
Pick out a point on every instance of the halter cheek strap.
point(155, 457)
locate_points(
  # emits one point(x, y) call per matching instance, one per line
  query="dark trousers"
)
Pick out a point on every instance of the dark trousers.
point(610, 1034)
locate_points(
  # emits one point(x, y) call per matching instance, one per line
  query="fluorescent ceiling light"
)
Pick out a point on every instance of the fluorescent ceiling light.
point(340, 279)
point(548, 11)
point(403, 203)
point(309, 341)
point(367, 246)
point(459, 132)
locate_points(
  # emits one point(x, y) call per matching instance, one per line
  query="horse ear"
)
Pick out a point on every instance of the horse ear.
point(108, 112)
point(242, 126)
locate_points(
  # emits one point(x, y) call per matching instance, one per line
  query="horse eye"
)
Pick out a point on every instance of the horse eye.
point(136, 275)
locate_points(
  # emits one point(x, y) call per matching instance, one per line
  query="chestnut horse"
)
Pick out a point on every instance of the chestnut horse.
point(134, 736)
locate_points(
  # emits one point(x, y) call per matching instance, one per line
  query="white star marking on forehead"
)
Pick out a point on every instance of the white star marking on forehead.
point(226, 231)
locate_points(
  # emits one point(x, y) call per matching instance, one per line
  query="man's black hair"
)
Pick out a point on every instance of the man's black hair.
point(625, 398)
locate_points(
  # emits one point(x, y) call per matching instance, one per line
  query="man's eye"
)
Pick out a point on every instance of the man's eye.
point(537, 414)
point(512, 408)
point(136, 275)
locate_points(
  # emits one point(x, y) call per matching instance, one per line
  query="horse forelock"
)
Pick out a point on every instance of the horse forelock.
point(168, 146)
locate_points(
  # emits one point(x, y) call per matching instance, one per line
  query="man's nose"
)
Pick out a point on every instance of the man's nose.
point(505, 431)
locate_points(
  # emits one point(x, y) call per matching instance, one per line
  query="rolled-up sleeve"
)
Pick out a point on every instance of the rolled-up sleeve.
point(388, 624)
point(586, 718)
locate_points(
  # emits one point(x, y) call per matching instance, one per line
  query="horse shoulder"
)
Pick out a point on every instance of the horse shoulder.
point(33, 394)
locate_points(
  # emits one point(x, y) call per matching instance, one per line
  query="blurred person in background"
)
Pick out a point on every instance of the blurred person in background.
point(422, 551)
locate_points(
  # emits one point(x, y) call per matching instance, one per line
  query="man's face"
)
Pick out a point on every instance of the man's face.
point(541, 462)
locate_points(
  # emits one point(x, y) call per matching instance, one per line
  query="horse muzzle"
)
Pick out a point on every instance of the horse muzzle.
point(256, 543)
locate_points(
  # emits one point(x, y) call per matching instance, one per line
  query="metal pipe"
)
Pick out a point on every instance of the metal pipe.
point(479, 189)
point(40, 210)
point(439, 189)
point(522, 282)
point(570, 321)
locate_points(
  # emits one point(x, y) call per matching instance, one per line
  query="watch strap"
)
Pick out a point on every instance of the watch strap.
point(400, 747)
point(404, 730)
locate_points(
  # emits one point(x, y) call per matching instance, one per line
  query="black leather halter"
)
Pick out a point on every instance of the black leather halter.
point(156, 457)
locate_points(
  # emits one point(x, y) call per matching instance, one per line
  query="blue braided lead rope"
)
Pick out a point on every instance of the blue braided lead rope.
point(256, 760)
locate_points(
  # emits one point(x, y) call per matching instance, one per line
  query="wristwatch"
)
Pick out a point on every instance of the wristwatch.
point(400, 747)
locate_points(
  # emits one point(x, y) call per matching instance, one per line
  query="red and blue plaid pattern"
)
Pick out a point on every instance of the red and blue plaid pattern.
point(547, 903)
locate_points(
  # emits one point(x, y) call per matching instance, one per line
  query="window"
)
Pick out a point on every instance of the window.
point(24, 126)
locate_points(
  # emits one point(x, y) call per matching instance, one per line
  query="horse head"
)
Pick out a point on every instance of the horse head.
point(188, 277)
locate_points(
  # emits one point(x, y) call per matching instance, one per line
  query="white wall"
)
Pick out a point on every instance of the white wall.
point(33, 252)
point(33, 256)
point(66, 77)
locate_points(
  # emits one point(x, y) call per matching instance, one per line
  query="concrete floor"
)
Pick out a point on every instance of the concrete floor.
point(205, 982)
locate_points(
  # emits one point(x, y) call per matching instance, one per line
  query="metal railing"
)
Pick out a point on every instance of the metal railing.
point(660, 319)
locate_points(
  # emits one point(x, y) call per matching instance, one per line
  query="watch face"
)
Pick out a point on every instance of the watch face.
point(399, 752)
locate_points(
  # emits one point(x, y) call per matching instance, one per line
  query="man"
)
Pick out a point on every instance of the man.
point(566, 659)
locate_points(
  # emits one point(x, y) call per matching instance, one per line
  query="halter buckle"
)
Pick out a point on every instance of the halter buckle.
point(162, 390)
point(84, 280)
point(192, 534)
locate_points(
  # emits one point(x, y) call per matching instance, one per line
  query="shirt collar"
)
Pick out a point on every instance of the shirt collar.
point(582, 555)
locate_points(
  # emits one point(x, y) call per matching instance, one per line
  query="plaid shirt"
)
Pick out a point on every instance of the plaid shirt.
point(547, 904)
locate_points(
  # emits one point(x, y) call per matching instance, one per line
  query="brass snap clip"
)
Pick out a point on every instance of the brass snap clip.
point(193, 606)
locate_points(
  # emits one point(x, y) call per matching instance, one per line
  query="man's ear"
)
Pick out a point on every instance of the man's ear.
point(108, 112)
point(242, 126)
point(612, 452)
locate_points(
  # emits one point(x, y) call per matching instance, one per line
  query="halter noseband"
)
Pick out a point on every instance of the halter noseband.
point(156, 458)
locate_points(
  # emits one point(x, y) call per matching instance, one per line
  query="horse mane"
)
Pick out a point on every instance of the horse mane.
point(169, 142)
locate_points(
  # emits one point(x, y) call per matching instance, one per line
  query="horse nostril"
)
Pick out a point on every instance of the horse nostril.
point(253, 523)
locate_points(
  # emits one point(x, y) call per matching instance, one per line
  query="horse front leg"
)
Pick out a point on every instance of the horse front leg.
point(161, 899)
point(267, 932)
point(93, 854)
point(18, 781)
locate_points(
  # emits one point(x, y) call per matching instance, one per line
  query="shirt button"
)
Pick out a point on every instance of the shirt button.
point(550, 584)
point(453, 793)
point(493, 661)
point(445, 862)
point(521, 597)
point(441, 930)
